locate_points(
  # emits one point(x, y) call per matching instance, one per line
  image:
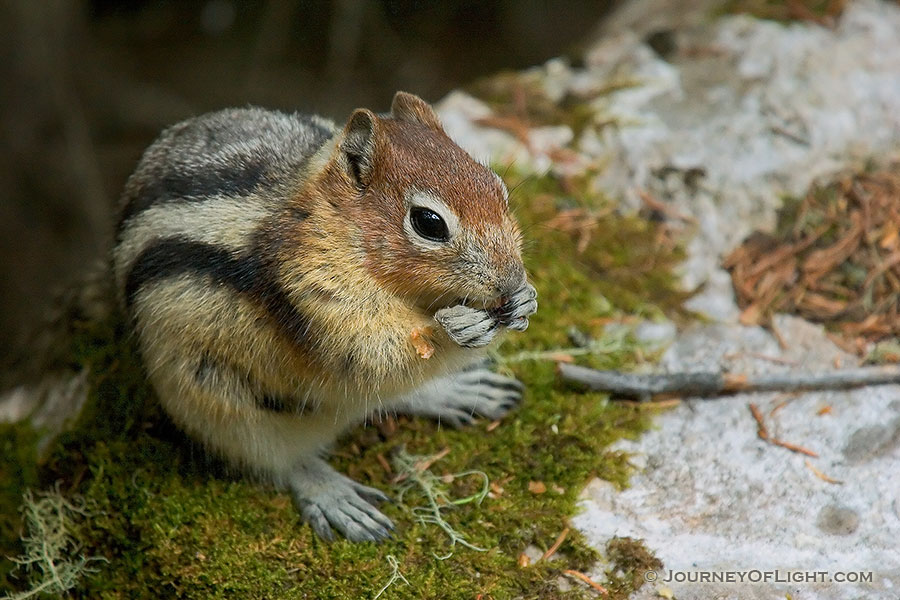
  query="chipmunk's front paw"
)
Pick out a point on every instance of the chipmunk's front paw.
point(330, 501)
point(468, 327)
point(521, 305)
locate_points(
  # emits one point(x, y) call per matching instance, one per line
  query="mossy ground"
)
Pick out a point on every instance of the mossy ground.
point(173, 523)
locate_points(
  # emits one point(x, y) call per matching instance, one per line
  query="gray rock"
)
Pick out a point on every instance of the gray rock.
point(715, 497)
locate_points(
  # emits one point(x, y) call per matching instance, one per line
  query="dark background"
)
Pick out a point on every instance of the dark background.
point(87, 85)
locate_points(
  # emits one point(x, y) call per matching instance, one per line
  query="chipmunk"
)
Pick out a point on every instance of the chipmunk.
point(287, 279)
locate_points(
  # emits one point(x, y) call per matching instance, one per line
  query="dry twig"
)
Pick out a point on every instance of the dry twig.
point(552, 549)
point(707, 384)
point(821, 475)
point(587, 580)
point(763, 434)
point(761, 429)
point(794, 447)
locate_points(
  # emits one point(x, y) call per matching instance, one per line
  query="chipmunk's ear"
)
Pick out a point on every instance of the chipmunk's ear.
point(409, 107)
point(358, 145)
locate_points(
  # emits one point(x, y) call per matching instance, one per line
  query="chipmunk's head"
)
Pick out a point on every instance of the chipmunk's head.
point(436, 225)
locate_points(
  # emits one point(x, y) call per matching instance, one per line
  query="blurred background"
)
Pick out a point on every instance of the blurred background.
point(88, 84)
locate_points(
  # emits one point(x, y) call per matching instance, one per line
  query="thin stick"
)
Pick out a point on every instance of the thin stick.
point(426, 463)
point(587, 580)
point(763, 434)
point(794, 447)
point(384, 463)
point(761, 430)
point(821, 475)
point(706, 383)
point(552, 549)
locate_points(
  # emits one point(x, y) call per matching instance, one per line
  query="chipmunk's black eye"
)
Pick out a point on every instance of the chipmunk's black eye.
point(428, 224)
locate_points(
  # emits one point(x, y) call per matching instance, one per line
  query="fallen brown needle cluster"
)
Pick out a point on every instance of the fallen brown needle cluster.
point(835, 260)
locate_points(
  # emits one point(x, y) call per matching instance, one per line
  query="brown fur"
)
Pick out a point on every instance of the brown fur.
point(417, 154)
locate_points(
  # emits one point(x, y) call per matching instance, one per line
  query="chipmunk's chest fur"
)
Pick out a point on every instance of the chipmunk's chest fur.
point(229, 258)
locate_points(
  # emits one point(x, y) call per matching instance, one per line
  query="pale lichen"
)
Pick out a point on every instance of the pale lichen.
point(52, 560)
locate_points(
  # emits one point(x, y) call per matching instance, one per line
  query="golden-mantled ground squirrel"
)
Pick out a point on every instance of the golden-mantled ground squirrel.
point(287, 279)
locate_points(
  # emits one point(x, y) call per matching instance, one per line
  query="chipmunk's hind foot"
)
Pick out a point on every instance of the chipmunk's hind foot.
point(331, 502)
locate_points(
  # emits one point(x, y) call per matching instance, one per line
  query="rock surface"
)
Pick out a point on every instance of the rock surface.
point(740, 113)
point(712, 496)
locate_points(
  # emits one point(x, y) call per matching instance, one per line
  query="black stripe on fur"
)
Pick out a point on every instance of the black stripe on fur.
point(185, 185)
point(247, 275)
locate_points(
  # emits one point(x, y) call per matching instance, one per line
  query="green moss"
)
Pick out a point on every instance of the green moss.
point(172, 522)
point(629, 561)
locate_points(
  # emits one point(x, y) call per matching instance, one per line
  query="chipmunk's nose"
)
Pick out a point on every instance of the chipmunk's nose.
point(511, 279)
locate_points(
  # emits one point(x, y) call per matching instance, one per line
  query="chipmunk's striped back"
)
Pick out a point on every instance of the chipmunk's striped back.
point(202, 188)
